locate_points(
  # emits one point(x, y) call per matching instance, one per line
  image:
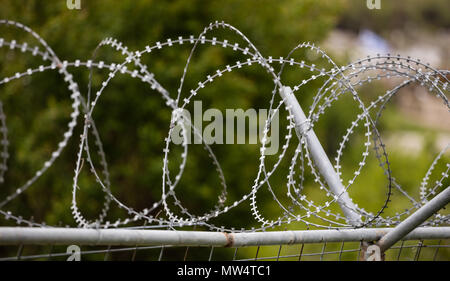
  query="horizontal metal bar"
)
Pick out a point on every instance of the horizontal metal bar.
point(130, 237)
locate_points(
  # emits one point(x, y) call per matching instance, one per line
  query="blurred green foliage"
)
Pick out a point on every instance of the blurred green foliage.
point(133, 119)
point(397, 15)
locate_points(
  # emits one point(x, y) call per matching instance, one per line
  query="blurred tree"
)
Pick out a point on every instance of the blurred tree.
point(133, 119)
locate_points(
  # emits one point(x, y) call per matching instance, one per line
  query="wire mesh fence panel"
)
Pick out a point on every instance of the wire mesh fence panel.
point(416, 250)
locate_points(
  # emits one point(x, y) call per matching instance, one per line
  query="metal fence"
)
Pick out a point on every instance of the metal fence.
point(351, 233)
point(420, 250)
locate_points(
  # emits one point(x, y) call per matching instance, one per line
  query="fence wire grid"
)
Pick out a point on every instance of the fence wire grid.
point(413, 250)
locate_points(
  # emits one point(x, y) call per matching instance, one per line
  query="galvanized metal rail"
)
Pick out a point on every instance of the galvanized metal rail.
point(135, 237)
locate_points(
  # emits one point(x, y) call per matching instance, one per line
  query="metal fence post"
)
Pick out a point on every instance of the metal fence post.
point(413, 221)
point(319, 157)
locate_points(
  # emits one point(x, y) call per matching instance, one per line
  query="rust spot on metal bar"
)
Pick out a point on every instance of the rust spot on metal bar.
point(381, 233)
point(230, 239)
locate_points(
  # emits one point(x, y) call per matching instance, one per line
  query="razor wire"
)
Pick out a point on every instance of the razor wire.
point(339, 81)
